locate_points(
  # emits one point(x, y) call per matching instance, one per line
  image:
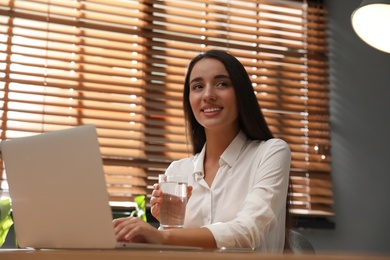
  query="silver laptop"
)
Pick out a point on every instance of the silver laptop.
point(58, 191)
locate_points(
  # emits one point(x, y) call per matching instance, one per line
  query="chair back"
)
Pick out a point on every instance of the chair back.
point(299, 244)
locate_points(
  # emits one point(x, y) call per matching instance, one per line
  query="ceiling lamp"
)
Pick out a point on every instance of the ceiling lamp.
point(371, 22)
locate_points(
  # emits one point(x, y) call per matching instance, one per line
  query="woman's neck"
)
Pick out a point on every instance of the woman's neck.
point(217, 142)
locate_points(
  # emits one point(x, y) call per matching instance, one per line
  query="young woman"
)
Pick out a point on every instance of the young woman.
point(239, 173)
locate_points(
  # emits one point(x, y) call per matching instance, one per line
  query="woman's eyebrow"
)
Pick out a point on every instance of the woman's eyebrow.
point(197, 79)
point(219, 76)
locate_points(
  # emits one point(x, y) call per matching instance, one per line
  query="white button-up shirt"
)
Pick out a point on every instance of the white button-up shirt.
point(246, 203)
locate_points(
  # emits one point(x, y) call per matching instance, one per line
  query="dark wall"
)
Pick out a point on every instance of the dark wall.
point(360, 139)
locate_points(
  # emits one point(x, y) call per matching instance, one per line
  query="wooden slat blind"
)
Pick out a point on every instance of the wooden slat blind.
point(120, 65)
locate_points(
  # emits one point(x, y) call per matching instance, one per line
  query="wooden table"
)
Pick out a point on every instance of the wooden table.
point(122, 254)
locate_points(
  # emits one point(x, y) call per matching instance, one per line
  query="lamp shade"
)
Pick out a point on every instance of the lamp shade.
point(371, 22)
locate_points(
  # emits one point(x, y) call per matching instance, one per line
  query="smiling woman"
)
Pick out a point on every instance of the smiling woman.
point(120, 65)
point(238, 173)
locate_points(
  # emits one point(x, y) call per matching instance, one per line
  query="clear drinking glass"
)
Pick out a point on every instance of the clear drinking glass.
point(174, 200)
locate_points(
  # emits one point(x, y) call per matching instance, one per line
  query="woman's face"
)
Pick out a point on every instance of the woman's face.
point(212, 96)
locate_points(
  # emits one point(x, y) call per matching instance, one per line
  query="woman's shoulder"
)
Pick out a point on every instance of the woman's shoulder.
point(270, 143)
point(277, 142)
point(183, 163)
point(274, 150)
point(185, 160)
point(271, 147)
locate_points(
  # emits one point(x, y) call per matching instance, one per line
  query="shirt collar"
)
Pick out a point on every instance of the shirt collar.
point(229, 156)
point(232, 152)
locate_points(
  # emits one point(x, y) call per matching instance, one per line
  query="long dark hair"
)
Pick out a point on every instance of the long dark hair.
point(251, 119)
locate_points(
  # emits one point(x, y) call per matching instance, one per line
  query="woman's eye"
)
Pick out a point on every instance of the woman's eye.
point(222, 84)
point(197, 86)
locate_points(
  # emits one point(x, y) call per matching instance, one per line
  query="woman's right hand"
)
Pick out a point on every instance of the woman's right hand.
point(156, 200)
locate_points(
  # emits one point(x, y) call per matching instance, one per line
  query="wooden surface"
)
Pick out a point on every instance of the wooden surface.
point(168, 255)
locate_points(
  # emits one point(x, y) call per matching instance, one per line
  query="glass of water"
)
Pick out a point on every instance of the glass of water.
point(174, 200)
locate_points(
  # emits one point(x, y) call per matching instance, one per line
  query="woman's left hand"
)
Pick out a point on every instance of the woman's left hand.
point(134, 229)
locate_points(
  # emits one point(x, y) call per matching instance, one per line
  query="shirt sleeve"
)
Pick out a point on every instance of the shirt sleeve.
point(260, 222)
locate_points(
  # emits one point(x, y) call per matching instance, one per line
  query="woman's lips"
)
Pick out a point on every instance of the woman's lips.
point(212, 109)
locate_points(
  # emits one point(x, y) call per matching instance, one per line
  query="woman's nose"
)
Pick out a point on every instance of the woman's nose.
point(209, 93)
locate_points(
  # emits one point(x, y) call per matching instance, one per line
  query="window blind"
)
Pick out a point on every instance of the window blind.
point(120, 65)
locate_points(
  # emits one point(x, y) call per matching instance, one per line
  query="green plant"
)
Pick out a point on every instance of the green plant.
point(5, 219)
point(140, 209)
